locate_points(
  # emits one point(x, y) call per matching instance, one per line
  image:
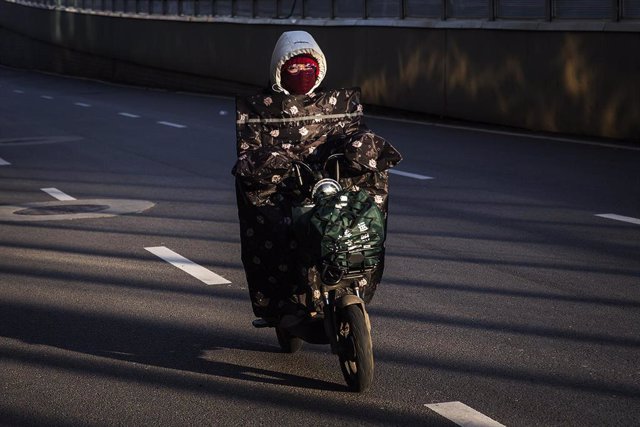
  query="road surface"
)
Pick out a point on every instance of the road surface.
point(504, 289)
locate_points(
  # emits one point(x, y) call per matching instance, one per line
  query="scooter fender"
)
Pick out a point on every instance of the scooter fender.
point(353, 300)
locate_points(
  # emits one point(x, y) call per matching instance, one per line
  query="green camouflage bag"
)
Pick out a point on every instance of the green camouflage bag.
point(347, 232)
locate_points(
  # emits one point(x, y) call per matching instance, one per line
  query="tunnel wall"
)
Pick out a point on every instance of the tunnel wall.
point(565, 81)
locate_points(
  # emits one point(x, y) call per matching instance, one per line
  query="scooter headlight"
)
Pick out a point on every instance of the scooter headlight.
point(325, 188)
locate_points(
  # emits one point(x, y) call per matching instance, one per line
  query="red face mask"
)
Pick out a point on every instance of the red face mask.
point(298, 75)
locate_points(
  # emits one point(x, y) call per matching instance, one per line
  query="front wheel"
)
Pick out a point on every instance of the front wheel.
point(356, 352)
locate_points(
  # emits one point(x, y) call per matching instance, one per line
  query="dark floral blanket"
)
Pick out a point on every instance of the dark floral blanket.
point(272, 131)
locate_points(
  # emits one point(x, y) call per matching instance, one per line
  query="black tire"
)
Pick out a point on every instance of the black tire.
point(288, 343)
point(356, 352)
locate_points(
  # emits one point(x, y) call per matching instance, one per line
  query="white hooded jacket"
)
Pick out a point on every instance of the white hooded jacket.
point(290, 44)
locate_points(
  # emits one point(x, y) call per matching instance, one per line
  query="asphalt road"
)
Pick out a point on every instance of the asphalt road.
point(503, 290)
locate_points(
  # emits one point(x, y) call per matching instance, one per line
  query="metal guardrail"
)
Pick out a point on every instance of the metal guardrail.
point(540, 10)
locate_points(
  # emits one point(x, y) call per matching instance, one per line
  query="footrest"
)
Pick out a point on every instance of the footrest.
point(262, 323)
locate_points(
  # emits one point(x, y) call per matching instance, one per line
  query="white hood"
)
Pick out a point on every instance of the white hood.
point(290, 44)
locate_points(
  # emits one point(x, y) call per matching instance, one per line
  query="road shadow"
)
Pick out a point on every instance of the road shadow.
point(164, 355)
point(145, 342)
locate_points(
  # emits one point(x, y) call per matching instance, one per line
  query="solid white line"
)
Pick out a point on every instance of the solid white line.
point(463, 415)
point(3, 162)
point(409, 174)
point(620, 218)
point(46, 97)
point(57, 194)
point(188, 266)
point(173, 125)
point(82, 104)
point(508, 133)
point(133, 116)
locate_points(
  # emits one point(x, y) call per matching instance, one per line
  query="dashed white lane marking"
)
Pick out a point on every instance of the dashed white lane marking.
point(463, 415)
point(46, 97)
point(3, 162)
point(206, 276)
point(132, 116)
point(223, 112)
point(620, 218)
point(57, 194)
point(409, 174)
point(173, 125)
point(18, 91)
point(82, 104)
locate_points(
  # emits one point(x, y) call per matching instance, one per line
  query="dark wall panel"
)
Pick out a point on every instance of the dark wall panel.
point(583, 83)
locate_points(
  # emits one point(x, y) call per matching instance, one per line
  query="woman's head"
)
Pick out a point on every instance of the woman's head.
point(298, 75)
point(297, 64)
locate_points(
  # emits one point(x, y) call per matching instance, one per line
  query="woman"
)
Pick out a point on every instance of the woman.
point(297, 121)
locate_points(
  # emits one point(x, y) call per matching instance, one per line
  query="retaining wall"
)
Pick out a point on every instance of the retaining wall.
point(566, 81)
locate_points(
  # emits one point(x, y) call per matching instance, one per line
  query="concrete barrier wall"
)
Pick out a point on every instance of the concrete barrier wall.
point(572, 82)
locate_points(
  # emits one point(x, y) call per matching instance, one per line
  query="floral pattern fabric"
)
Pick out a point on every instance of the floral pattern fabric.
point(273, 130)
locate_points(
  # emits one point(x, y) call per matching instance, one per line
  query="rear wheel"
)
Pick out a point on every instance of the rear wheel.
point(288, 343)
point(356, 352)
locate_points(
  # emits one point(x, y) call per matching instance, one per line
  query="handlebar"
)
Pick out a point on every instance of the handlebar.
point(331, 157)
point(317, 178)
point(299, 163)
